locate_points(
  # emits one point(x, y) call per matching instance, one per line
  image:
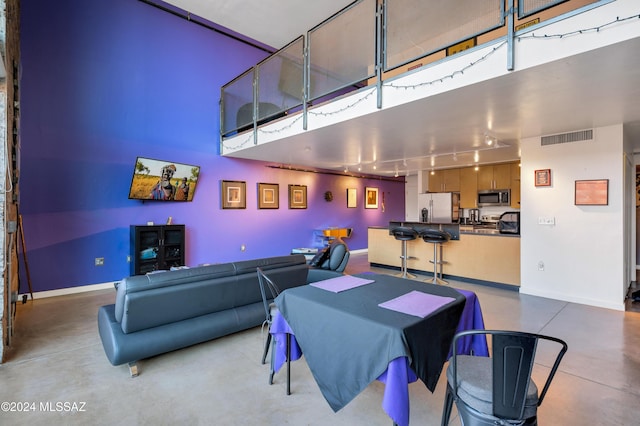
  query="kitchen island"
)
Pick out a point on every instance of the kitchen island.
point(478, 255)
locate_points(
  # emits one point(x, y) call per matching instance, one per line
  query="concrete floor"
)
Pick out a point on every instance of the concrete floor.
point(57, 357)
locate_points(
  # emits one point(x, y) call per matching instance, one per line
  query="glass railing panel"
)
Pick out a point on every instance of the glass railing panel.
point(280, 78)
point(416, 28)
point(342, 50)
point(532, 12)
point(237, 103)
point(529, 7)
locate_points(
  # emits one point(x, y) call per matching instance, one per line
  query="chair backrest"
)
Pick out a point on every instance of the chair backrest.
point(266, 284)
point(338, 256)
point(435, 236)
point(404, 233)
point(513, 359)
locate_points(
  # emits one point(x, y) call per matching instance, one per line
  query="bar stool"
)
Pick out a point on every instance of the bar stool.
point(404, 234)
point(437, 238)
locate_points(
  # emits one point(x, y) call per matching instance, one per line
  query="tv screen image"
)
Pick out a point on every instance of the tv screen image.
point(163, 180)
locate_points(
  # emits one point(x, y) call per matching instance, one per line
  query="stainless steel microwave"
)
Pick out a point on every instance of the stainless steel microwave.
point(494, 197)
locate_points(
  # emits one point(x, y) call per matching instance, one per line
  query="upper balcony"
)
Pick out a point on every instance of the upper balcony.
point(393, 87)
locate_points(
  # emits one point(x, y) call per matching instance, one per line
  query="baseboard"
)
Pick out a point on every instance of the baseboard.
point(67, 291)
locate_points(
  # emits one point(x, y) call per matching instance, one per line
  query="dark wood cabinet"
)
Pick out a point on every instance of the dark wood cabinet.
point(156, 247)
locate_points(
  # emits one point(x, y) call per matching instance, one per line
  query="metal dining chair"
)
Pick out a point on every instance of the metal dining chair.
point(270, 309)
point(496, 390)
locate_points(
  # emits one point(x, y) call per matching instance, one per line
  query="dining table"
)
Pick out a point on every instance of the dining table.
point(356, 329)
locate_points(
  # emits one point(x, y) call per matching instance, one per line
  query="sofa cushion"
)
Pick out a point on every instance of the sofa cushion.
point(159, 299)
point(267, 263)
point(141, 283)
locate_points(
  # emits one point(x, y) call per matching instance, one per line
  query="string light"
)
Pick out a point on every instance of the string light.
point(451, 76)
point(578, 32)
point(282, 129)
point(351, 105)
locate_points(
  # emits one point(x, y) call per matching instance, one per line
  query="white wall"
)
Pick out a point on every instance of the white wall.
point(584, 252)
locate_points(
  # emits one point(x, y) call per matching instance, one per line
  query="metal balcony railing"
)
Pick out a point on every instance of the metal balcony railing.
point(368, 42)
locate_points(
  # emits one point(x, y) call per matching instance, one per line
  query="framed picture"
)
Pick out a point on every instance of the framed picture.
point(297, 196)
point(592, 192)
point(268, 196)
point(352, 200)
point(233, 194)
point(543, 177)
point(370, 198)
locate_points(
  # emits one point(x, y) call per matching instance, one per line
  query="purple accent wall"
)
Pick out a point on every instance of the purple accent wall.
point(103, 82)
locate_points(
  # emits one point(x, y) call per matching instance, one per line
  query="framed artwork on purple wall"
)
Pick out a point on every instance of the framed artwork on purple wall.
point(268, 196)
point(233, 194)
point(352, 198)
point(297, 196)
point(370, 198)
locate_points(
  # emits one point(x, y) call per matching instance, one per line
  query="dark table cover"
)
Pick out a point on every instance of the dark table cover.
point(349, 341)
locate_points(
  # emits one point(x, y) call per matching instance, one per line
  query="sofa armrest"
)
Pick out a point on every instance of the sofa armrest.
point(316, 274)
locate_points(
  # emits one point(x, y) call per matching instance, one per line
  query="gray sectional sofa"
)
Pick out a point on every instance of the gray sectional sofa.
point(166, 311)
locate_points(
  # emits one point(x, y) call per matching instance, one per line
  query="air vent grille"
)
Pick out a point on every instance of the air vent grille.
point(582, 135)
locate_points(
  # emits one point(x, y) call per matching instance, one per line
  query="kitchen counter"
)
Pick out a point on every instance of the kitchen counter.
point(470, 229)
point(478, 254)
point(452, 229)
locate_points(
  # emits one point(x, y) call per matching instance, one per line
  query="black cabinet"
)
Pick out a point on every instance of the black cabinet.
point(156, 247)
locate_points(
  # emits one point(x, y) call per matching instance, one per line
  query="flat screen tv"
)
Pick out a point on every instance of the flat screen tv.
point(163, 180)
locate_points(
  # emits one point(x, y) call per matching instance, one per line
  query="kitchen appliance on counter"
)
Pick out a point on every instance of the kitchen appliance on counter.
point(490, 219)
point(442, 207)
point(509, 223)
point(494, 197)
point(474, 216)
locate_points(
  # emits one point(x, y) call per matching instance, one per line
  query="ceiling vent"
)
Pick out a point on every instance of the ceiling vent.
point(582, 135)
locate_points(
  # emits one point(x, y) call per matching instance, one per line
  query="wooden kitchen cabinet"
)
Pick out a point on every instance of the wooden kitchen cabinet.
point(468, 188)
point(515, 185)
point(447, 180)
point(496, 176)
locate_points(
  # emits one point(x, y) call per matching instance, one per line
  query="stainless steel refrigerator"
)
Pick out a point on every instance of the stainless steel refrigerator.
point(441, 207)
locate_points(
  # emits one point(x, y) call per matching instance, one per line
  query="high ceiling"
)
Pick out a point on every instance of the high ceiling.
point(574, 93)
point(272, 22)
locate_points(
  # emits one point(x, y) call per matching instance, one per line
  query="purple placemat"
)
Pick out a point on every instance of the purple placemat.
point(342, 283)
point(416, 303)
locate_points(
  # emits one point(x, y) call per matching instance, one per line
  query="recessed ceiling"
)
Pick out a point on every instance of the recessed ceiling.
point(272, 22)
point(574, 93)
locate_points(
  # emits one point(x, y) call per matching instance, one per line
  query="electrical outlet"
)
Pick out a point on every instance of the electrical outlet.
point(546, 220)
point(128, 258)
point(243, 247)
point(99, 261)
point(541, 266)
